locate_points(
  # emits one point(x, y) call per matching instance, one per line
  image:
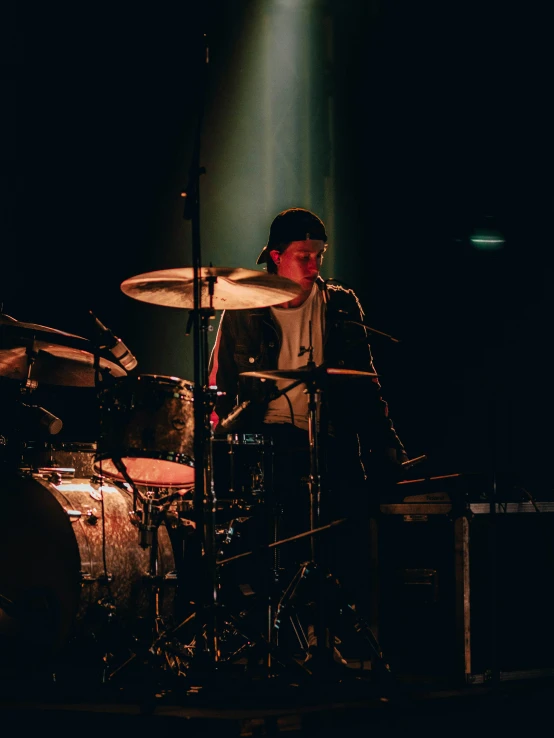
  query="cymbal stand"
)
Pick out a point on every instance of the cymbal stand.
point(331, 604)
point(322, 635)
point(29, 418)
point(204, 499)
point(28, 385)
point(324, 640)
point(255, 630)
point(313, 442)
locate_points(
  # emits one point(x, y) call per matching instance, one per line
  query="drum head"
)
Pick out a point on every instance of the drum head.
point(40, 570)
point(153, 469)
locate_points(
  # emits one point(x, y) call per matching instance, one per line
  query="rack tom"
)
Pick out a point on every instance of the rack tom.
point(147, 423)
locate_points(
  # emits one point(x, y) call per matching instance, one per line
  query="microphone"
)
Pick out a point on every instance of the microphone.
point(45, 420)
point(146, 526)
point(115, 346)
point(273, 395)
point(233, 415)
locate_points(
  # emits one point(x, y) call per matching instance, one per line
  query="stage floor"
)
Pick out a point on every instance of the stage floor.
point(226, 705)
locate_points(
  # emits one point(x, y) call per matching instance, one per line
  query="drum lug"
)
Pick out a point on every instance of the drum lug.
point(102, 579)
point(55, 475)
point(96, 489)
point(135, 517)
point(74, 515)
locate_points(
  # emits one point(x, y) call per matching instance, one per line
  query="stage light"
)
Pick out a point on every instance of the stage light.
point(486, 236)
point(268, 138)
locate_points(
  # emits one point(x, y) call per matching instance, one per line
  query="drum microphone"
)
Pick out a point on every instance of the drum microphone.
point(273, 395)
point(233, 415)
point(146, 526)
point(45, 420)
point(115, 346)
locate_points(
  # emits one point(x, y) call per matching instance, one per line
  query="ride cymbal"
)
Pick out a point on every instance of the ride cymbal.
point(56, 357)
point(233, 288)
point(306, 373)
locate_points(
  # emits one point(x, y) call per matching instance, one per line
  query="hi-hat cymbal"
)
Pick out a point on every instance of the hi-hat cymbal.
point(233, 289)
point(59, 358)
point(307, 373)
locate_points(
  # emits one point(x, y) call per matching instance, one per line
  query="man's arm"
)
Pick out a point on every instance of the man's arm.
point(380, 446)
point(222, 368)
point(213, 365)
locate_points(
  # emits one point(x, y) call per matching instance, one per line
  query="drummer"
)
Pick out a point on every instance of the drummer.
point(360, 450)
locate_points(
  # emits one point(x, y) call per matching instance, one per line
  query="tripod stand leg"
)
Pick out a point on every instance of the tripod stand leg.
point(342, 626)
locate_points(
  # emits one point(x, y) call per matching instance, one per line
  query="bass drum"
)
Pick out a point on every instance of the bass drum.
point(72, 570)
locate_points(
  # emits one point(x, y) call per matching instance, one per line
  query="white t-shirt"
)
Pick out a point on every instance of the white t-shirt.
point(295, 332)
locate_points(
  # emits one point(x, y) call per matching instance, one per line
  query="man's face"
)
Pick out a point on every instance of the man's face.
point(300, 261)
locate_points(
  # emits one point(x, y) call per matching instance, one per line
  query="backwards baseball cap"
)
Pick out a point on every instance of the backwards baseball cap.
point(294, 224)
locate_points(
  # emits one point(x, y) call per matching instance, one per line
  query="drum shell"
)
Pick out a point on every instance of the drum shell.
point(148, 422)
point(242, 468)
point(76, 457)
point(53, 541)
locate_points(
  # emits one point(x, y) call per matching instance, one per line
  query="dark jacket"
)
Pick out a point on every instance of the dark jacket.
point(249, 340)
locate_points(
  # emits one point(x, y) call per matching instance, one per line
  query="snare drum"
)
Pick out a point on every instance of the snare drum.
point(147, 421)
point(242, 467)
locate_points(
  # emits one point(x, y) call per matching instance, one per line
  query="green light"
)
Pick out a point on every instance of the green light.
point(487, 240)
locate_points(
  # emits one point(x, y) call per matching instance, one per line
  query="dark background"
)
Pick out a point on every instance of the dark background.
point(441, 119)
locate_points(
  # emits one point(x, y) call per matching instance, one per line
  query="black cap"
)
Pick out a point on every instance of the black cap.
point(294, 224)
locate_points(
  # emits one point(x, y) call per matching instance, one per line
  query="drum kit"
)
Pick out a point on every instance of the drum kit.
point(100, 541)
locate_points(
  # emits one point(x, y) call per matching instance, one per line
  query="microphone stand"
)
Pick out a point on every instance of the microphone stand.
point(204, 498)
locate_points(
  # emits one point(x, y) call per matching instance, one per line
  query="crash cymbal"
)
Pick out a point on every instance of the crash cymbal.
point(234, 288)
point(306, 373)
point(60, 358)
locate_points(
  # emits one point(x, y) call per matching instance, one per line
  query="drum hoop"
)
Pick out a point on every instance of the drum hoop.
point(159, 381)
point(69, 446)
point(139, 453)
point(245, 439)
